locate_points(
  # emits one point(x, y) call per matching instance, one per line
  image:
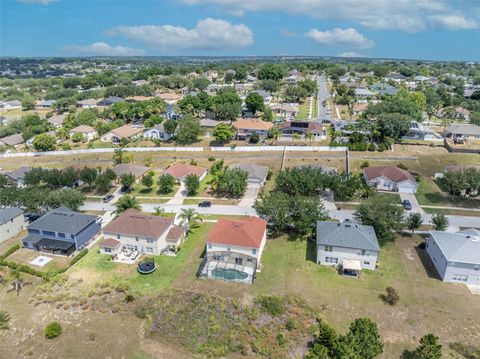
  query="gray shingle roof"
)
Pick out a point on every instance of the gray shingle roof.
point(463, 246)
point(9, 213)
point(19, 173)
point(255, 172)
point(463, 129)
point(347, 235)
point(62, 220)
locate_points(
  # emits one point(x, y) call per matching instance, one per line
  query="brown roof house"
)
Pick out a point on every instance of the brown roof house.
point(181, 170)
point(125, 132)
point(136, 231)
point(390, 178)
point(245, 128)
point(234, 249)
point(175, 237)
point(87, 132)
point(126, 168)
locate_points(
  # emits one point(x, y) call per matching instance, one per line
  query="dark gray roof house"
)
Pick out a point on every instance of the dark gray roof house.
point(9, 213)
point(256, 174)
point(18, 175)
point(62, 219)
point(12, 140)
point(347, 235)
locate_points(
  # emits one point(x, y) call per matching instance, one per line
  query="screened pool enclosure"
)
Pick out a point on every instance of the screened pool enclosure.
point(233, 267)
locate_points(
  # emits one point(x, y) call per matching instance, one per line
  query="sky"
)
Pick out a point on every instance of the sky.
point(405, 29)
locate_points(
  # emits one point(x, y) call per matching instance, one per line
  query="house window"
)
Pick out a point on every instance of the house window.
point(118, 236)
point(61, 235)
point(477, 267)
point(210, 246)
point(107, 250)
point(331, 260)
point(254, 251)
point(149, 240)
point(460, 277)
point(239, 261)
point(364, 252)
point(149, 249)
point(229, 248)
point(328, 249)
point(136, 238)
point(366, 263)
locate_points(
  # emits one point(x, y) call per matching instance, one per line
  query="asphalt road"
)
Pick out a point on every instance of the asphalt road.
point(322, 96)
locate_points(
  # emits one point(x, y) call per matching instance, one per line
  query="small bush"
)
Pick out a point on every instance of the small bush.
point(364, 164)
point(468, 351)
point(4, 319)
point(211, 158)
point(193, 162)
point(53, 330)
point(291, 324)
point(402, 166)
point(391, 297)
point(129, 298)
point(79, 256)
point(271, 304)
point(281, 340)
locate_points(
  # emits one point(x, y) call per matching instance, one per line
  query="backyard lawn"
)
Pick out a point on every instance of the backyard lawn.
point(96, 267)
point(303, 110)
point(140, 190)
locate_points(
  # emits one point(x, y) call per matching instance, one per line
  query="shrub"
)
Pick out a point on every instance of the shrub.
point(271, 304)
point(129, 298)
point(364, 164)
point(281, 340)
point(10, 251)
point(193, 162)
point(53, 330)
point(4, 319)
point(371, 147)
point(211, 158)
point(402, 166)
point(254, 138)
point(381, 147)
point(391, 297)
point(79, 256)
point(291, 324)
point(468, 351)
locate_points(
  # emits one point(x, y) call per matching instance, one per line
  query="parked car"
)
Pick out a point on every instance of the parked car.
point(205, 204)
point(107, 198)
point(125, 189)
point(407, 205)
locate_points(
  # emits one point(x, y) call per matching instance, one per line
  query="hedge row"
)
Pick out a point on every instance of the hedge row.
point(10, 251)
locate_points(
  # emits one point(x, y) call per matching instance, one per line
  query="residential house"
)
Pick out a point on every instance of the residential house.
point(11, 105)
point(139, 232)
point(61, 231)
point(245, 128)
point(45, 105)
point(12, 140)
point(462, 132)
point(359, 108)
point(390, 178)
point(395, 77)
point(383, 89)
point(456, 256)
point(134, 99)
point(234, 249)
point(257, 175)
point(209, 125)
point(110, 246)
point(292, 79)
point(157, 133)
point(348, 245)
point(139, 82)
point(363, 94)
point(12, 222)
point(169, 97)
point(180, 171)
point(56, 121)
point(18, 175)
point(29, 142)
point(267, 97)
point(3, 120)
point(110, 101)
point(289, 128)
point(175, 237)
point(212, 75)
point(129, 168)
point(87, 132)
point(88, 103)
point(171, 114)
point(128, 132)
point(285, 110)
point(418, 131)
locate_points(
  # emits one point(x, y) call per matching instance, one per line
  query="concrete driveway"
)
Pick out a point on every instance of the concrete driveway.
point(413, 200)
point(250, 196)
point(179, 196)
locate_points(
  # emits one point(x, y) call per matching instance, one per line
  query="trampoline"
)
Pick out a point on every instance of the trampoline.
point(146, 266)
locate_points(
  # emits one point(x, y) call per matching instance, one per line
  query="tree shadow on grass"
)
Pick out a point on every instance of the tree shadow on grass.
point(311, 251)
point(145, 190)
point(408, 354)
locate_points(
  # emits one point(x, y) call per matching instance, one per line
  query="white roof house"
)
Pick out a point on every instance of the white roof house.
point(456, 256)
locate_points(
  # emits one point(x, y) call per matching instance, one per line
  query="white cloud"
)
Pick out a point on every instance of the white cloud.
point(41, 2)
point(405, 15)
point(455, 22)
point(350, 54)
point(208, 34)
point(340, 38)
point(103, 49)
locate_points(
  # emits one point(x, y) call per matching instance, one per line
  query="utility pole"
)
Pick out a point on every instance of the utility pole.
point(347, 161)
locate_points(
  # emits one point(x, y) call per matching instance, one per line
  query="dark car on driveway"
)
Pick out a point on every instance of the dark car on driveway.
point(205, 204)
point(407, 205)
point(107, 198)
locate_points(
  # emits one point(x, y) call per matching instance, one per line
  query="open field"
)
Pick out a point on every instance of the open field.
point(303, 109)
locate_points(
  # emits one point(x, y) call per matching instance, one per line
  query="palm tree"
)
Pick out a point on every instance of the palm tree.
point(126, 202)
point(190, 216)
point(295, 136)
point(275, 133)
point(18, 283)
point(309, 136)
point(159, 211)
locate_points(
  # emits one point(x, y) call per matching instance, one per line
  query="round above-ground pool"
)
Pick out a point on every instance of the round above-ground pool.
point(146, 267)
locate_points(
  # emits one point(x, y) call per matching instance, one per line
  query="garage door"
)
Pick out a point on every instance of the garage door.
point(406, 189)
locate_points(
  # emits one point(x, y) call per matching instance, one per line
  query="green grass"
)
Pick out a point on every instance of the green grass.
point(167, 267)
point(430, 194)
point(204, 183)
point(303, 110)
point(140, 190)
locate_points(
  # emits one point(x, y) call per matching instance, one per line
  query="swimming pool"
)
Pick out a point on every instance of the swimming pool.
point(229, 274)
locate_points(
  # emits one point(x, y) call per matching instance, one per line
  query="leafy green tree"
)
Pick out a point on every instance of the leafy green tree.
point(227, 104)
point(232, 182)
point(126, 202)
point(192, 184)
point(188, 130)
point(147, 181)
point(67, 197)
point(295, 214)
point(414, 221)
point(127, 179)
point(170, 126)
point(44, 142)
point(223, 133)
point(271, 72)
point(78, 137)
point(267, 114)
point(381, 213)
point(201, 83)
point(254, 102)
point(429, 348)
point(89, 175)
point(440, 222)
point(190, 216)
point(362, 340)
point(166, 183)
